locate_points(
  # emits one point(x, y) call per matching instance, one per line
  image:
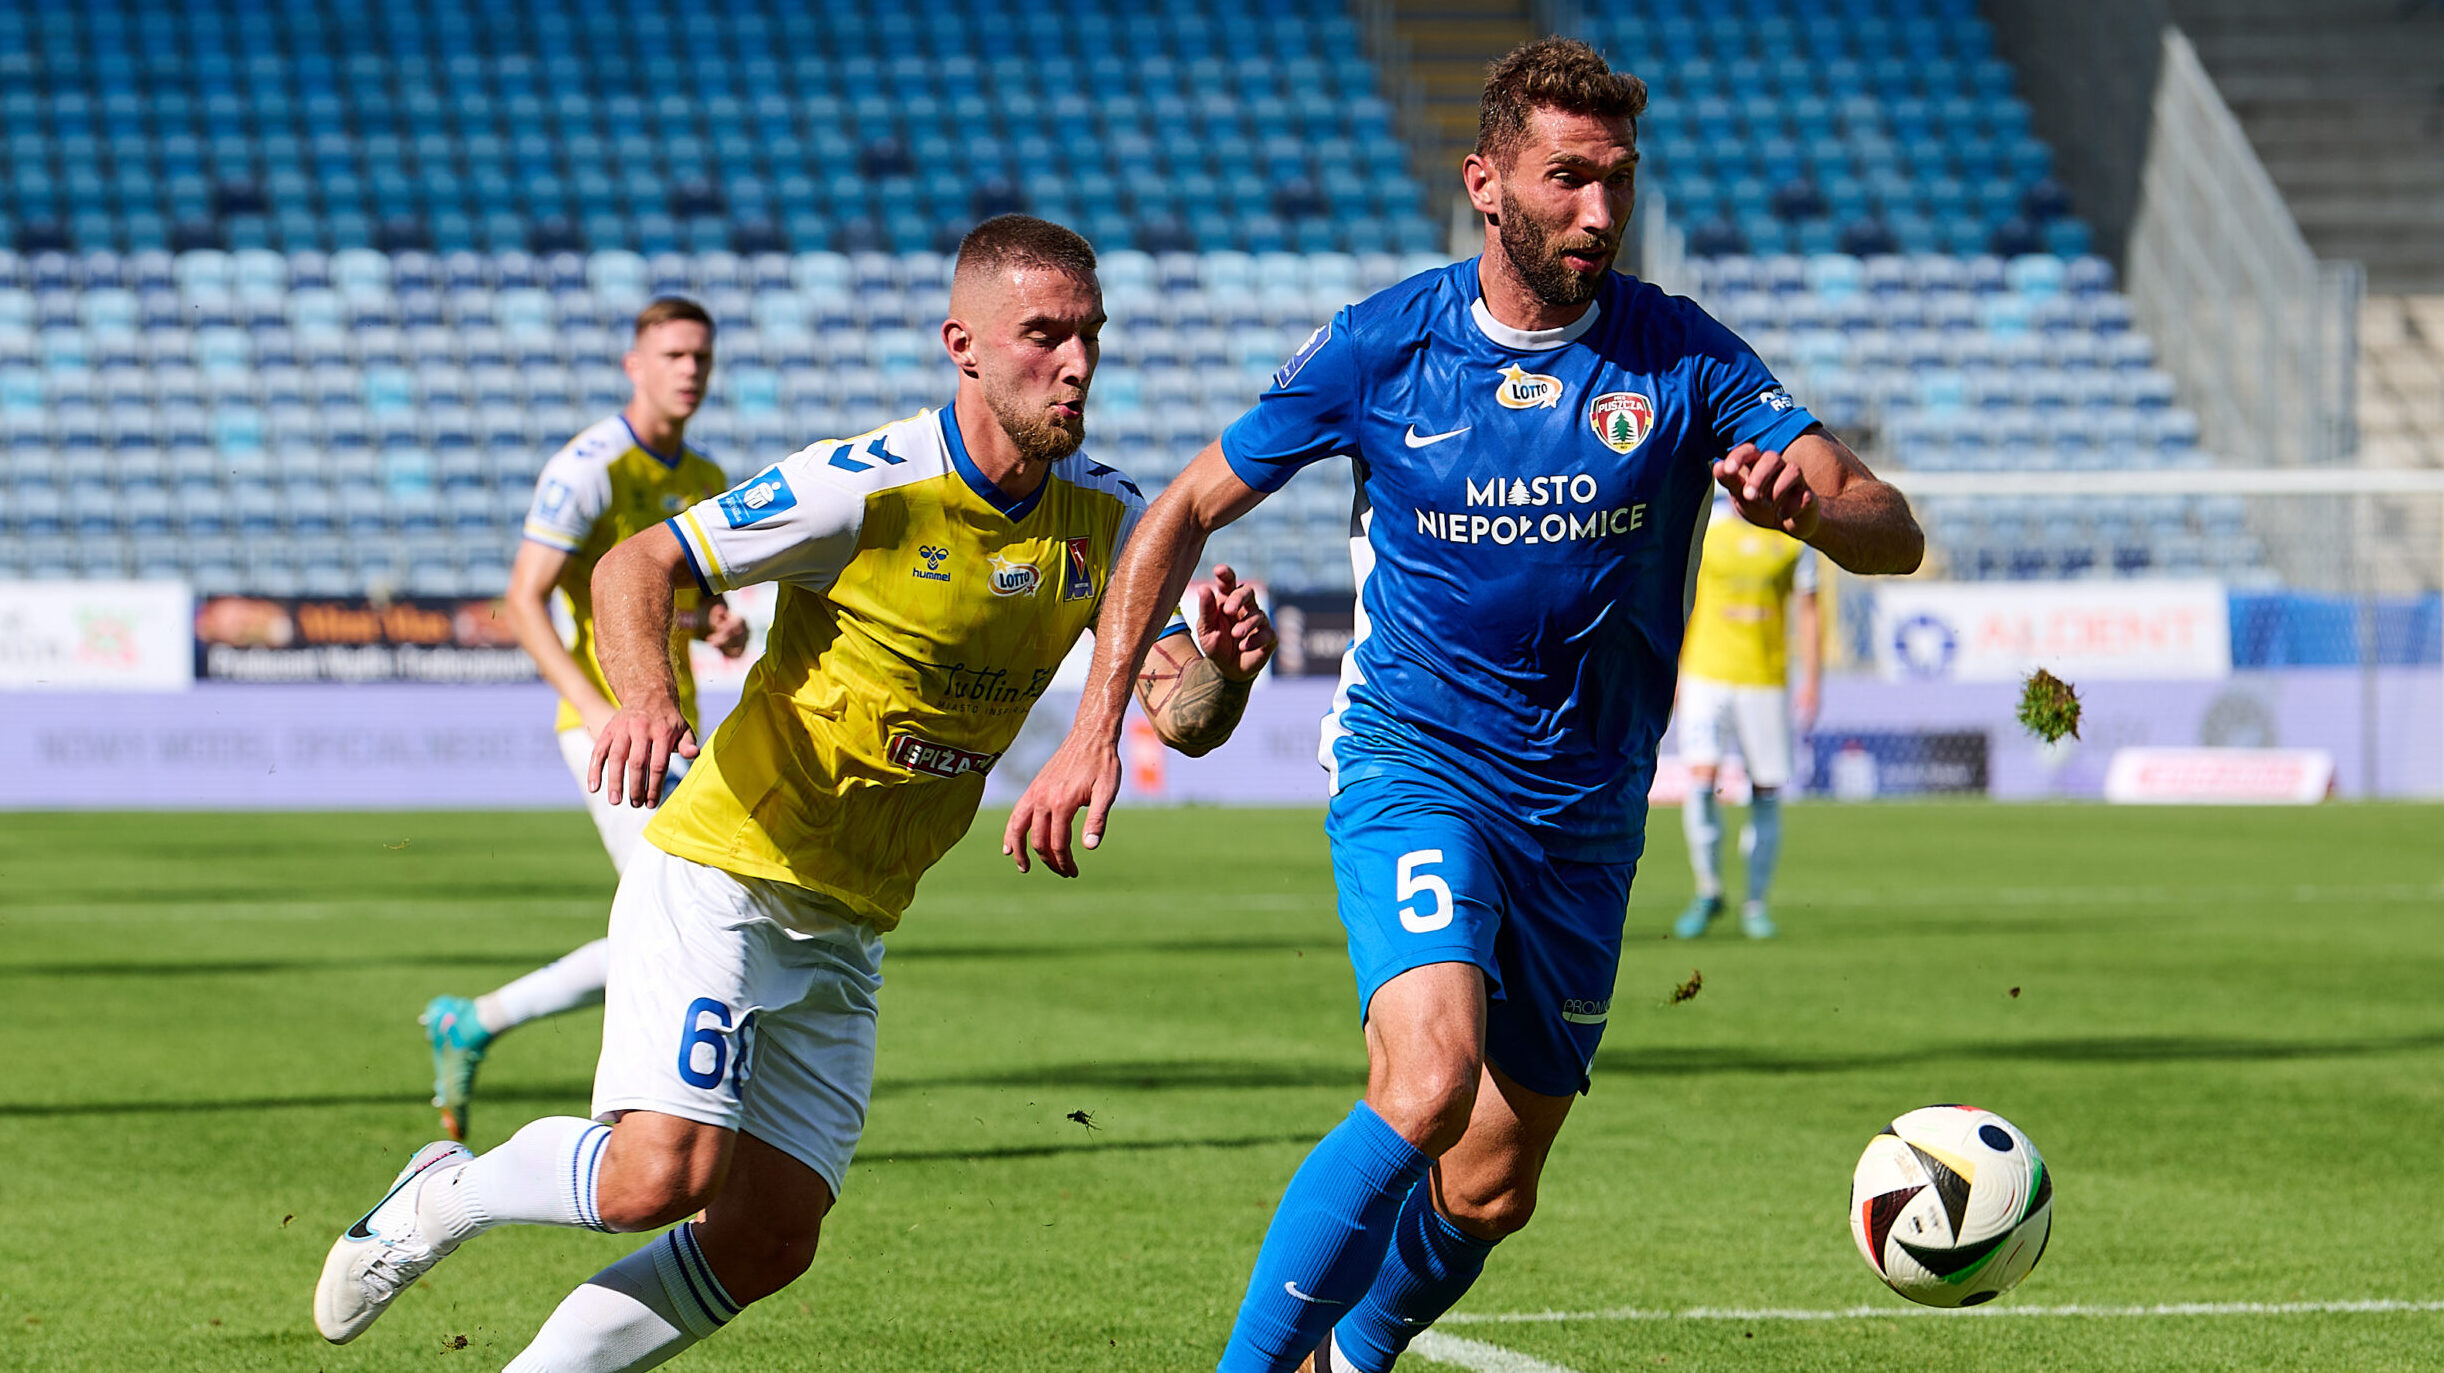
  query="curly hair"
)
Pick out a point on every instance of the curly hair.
point(1551, 73)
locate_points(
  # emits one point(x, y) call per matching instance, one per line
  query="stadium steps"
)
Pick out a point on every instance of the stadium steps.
point(1448, 47)
point(2344, 101)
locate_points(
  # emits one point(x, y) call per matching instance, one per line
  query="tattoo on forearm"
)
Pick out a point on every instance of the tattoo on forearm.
point(1193, 706)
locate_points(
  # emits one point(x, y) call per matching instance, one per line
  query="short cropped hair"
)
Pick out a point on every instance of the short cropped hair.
point(664, 309)
point(1557, 74)
point(1005, 242)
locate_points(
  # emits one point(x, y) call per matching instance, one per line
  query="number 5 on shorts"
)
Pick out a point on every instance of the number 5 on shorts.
point(1413, 883)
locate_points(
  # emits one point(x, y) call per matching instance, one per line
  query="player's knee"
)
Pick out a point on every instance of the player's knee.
point(758, 1260)
point(1492, 1213)
point(649, 1191)
point(1429, 1107)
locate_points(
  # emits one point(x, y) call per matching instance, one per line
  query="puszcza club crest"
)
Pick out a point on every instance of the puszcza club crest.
point(1622, 419)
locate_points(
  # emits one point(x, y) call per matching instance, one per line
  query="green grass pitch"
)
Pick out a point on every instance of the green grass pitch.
point(2228, 1039)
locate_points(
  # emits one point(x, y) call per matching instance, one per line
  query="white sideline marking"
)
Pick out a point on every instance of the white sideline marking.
point(1861, 1313)
point(1482, 1358)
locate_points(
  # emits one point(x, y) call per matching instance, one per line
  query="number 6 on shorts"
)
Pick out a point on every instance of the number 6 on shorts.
point(695, 1035)
point(1411, 883)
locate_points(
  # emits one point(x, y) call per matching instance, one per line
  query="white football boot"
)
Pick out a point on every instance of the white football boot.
point(385, 1252)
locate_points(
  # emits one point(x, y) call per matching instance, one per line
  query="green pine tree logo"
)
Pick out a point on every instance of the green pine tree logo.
point(1623, 432)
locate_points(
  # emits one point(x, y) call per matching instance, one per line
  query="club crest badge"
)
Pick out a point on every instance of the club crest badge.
point(1078, 570)
point(1521, 389)
point(1622, 419)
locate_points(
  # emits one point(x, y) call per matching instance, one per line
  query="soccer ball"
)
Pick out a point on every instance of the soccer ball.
point(1951, 1205)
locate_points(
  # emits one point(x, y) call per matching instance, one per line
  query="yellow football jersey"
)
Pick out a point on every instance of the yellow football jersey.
point(920, 615)
point(601, 488)
point(1738, 632)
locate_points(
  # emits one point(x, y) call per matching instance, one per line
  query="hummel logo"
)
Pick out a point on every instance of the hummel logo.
point(1417, 440)
point(1292, 1287)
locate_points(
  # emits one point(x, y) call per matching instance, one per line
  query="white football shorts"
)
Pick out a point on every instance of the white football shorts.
point(622, 826)
point(1715, 716)
point(743, 1003)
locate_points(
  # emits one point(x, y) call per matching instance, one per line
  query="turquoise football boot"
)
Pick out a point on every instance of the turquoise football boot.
point(459, 1040)
point(1701, 912)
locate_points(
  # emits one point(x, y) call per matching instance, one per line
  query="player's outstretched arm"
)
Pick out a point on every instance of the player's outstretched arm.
point(1084, 773)
point(1819, 491)
point(1194, 686)
point(632, 622)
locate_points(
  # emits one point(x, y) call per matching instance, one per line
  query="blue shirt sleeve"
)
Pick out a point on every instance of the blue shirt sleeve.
point(1742, 401)
point(1309, 413)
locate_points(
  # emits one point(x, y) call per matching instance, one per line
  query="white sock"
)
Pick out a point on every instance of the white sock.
point(575, 980)
point(1703, 824)
point(1761, 843)
point(635, 1314)
point(542, 1175)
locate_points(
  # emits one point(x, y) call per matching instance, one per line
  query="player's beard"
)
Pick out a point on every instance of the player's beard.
point(1535, 250)
point(1038, 434)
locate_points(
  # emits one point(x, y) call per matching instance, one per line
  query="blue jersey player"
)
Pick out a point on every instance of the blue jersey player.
point(1536, 441)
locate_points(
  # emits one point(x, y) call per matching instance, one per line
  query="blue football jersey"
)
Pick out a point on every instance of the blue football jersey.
point(1526, 534)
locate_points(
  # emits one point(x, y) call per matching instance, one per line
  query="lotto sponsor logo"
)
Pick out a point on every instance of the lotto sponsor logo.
point(1521, 389)
point(1015, 579)
point(1622, 419)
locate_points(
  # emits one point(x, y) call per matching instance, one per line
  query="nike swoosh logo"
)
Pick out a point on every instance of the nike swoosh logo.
point(1417, 440)
point(358, 1230)
point(1292, 1287)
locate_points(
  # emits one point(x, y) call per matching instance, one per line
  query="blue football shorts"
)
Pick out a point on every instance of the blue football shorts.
point(1426, 877)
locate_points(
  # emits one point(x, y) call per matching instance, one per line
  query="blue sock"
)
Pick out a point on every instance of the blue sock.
point(1761, 844)
point(1431, 1265)
point(1325, 1243)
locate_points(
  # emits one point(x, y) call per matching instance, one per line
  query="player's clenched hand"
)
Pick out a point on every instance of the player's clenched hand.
point(1769, 490)
point(633, 752)
point(1232, 629)
point(725, 629)
point(1084, 773)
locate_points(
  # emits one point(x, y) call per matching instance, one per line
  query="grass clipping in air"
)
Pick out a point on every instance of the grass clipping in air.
point(2049, 707)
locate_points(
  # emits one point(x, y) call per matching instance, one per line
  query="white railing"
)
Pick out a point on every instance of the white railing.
point(2262, 337)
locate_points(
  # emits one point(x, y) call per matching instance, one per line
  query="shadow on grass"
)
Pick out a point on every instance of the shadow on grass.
point(1245, 1075)
point(1699, 1062)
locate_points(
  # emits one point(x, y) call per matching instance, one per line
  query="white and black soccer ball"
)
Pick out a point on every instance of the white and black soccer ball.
point(1951, 1205)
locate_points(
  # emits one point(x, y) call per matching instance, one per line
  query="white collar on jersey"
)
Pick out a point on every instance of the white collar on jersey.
point(1532, 340)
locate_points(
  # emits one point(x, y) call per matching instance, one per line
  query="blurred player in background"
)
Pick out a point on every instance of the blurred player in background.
point(1535, 439)
point(626, 473)
point(934, 573)
point(1735, 682)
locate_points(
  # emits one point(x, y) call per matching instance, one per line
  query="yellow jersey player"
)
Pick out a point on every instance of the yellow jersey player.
point(624, 474)
point(1734, 683)
point(933, 574)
